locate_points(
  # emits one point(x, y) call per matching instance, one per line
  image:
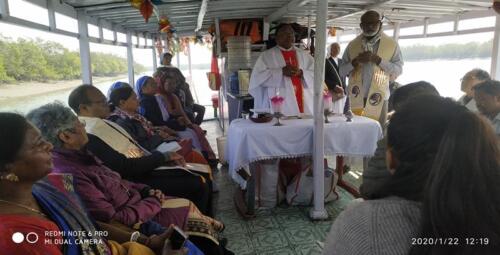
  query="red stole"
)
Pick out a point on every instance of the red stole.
point(291, 59)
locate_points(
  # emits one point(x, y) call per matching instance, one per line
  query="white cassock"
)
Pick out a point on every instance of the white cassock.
point(267, 79)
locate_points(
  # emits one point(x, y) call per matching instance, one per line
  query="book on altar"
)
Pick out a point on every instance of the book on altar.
point(168, 147)
point(201, 168)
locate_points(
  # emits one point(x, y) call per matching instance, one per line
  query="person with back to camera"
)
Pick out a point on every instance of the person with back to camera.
point(443, 196)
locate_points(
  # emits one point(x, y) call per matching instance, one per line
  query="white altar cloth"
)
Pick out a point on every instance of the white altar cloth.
point(248, 142)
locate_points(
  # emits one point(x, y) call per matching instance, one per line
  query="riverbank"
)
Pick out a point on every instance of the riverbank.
point(24, 97)
point(26, 90)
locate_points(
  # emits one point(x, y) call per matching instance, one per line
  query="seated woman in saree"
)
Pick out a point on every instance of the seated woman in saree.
point(121, 153)
point(125, 106)
point(105, 194)
point(183, 92)
point(171, 109)
point(46, 203)
point(151, 108)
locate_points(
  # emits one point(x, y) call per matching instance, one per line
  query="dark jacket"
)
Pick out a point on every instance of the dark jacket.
point(152, 113)
point(128, 168)
point(332, 76)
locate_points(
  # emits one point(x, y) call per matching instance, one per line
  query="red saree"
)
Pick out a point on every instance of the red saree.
point(25, 224)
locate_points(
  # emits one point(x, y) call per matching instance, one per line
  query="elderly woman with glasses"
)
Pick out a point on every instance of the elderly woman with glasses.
point(46, 203)
point(107, 196)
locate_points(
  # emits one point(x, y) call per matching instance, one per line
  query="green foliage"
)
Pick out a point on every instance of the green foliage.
point(39, 60)
point(3, 74)
point(448, 51)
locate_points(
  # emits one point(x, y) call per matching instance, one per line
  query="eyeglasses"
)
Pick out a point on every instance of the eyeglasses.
point(40, 145)
point(371, 24)
point(79, 123)
point(100, 102)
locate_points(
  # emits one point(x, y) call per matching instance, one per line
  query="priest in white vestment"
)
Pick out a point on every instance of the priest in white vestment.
point(369, 60)
point(287, 71)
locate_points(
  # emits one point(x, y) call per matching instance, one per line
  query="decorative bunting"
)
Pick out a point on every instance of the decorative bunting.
point(332, 31)
point(136, 3)
point(144, 6)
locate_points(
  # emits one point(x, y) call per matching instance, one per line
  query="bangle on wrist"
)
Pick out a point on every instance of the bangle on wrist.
point(135, 236)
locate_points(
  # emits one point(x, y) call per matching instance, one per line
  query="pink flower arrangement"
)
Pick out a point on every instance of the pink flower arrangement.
point(277, 102)
point(277, 99)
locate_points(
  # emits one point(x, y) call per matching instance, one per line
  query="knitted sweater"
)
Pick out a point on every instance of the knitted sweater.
point(374, 227)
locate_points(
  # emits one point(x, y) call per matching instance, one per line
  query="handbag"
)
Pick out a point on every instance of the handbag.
point(266, 183)
point(301, 189)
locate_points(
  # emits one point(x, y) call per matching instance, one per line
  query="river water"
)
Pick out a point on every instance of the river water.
point(444, 74)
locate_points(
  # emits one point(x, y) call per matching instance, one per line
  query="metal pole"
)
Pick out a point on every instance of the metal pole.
point(397, 27)
point(309, 31)
point(217, 37)
point(130, 59)
point(455, 24)
point(426, 26)
point(178, 56)
point(495, 58)
point(189, 61)
point(4, 9)
point(153, 48)
point(85, 64)
point(318, 212)
point(166, 43)
point(101, 33)
point(52, 15)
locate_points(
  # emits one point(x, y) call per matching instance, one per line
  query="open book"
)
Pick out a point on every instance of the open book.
point(200, 168)
point(168, 147)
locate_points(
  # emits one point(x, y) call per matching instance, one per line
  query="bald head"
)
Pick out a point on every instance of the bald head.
point(370, 16)
point(370, 23)
point(334, 50)
point(473, 78)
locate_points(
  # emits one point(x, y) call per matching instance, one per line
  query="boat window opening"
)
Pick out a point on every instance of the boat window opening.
point(24, 10)
point(348, 37)
point(467, 24)
point(440, 27)
point(66, 23)
point(142, 57)
point(418, 30)
point(108, 34)
point(93, 30)
point(134, 40)
point(121, 37)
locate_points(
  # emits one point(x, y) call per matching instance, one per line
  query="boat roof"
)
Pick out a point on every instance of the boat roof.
point(189, 16)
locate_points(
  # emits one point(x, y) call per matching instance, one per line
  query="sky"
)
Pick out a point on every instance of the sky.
point(25, 10)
